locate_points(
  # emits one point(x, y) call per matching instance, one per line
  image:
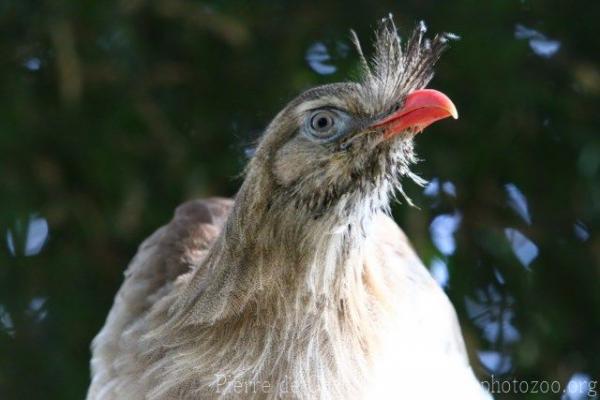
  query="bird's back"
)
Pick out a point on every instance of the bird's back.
point(170, 252)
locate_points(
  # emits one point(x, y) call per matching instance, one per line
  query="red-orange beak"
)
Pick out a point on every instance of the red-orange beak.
point(421, 109)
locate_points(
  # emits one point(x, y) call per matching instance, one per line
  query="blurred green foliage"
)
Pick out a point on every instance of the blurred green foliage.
point(113, 112)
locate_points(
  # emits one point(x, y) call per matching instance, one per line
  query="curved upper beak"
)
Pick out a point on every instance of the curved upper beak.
point(421, 109)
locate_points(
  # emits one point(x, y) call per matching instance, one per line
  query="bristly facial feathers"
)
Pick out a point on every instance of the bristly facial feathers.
point(396, 70)
point(360, 164)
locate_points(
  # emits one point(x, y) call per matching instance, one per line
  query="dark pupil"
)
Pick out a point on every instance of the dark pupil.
point(322, 122)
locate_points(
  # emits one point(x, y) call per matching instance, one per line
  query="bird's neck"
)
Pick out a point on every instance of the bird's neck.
point(294, 283)
point(271, 250)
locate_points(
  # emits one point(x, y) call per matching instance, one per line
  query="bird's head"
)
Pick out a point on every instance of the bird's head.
point(350, 143)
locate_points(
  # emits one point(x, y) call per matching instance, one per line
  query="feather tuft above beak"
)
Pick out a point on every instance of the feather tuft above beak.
point(398, 69)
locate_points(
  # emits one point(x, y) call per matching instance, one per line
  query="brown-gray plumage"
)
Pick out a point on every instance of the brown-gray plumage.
point(302, 287)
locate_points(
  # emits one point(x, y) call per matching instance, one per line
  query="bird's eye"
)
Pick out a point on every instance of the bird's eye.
point(322, 121)
point(326, 124)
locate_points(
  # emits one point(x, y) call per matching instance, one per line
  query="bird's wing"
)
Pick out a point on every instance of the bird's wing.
point(168, 253)
point(424, 344)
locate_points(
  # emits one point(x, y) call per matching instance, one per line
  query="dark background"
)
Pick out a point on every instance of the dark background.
point(113, 112)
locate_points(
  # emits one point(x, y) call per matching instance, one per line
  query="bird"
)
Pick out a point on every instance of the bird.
point(302, 286)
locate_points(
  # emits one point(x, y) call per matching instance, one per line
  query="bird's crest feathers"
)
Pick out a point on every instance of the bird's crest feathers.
point(395, 69)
